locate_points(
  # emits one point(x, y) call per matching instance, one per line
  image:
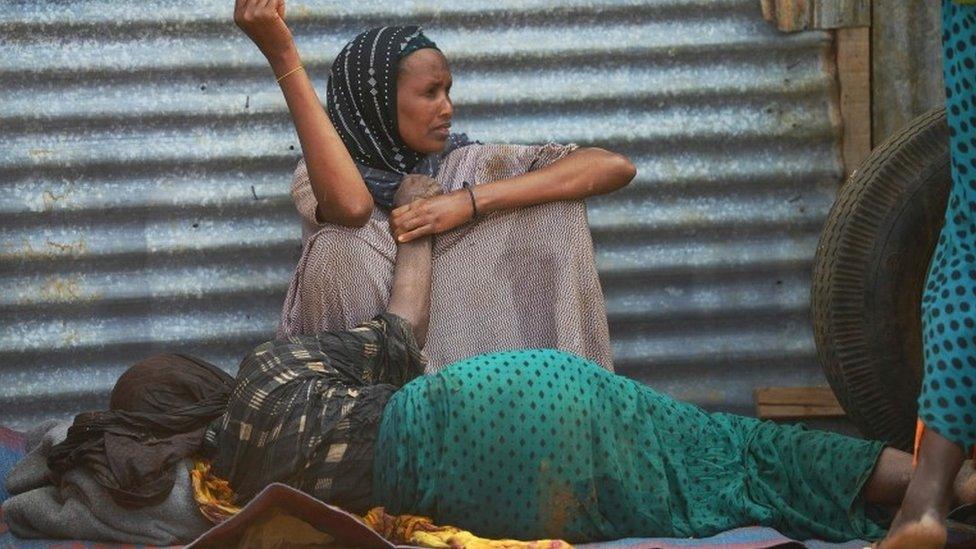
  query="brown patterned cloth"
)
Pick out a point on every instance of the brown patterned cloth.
point(524, 278)
point(305, 411)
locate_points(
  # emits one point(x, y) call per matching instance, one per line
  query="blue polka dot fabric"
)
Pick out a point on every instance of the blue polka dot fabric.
point(537, 444)
point(947, 403)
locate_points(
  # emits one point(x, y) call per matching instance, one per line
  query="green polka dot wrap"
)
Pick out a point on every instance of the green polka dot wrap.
point(947, 402)
point(535, 444)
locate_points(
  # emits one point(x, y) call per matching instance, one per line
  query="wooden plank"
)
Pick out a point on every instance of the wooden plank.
point(853, 48)
point(793, 15)
point(798, 15)
point(768, 10)
point(796, 402)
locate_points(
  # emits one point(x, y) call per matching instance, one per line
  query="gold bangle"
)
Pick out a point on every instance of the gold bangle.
point(296, 69)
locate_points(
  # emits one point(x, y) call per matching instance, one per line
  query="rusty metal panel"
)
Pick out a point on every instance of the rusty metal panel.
point(146, 153)
point(906, 69)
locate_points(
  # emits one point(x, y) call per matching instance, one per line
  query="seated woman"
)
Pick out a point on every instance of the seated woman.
point(529, 444)
point(520, 277)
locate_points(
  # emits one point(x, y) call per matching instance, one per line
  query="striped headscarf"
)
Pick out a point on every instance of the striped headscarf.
point(362, 104)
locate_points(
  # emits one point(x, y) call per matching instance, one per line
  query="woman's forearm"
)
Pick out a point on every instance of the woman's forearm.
point(584, 173)
point(338, 187)
point(410, 295)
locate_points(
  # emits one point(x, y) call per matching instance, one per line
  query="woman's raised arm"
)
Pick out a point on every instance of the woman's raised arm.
point(338, 187)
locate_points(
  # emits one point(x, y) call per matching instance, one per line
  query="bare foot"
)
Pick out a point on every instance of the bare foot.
point(964, 486)
point(927, 533)
point(920, 521)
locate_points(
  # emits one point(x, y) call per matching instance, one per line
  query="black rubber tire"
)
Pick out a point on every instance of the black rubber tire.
point(868, 276)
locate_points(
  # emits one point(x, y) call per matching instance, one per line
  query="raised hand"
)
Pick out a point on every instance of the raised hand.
point(264, 22)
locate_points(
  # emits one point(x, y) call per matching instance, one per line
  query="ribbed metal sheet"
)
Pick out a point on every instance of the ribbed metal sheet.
point(906, 69)
point(146, 153)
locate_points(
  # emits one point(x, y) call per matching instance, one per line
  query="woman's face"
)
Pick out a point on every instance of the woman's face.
point(424, 107)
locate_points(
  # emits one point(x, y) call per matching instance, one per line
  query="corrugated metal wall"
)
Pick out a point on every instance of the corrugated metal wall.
point(145, 159)
point(906, 70)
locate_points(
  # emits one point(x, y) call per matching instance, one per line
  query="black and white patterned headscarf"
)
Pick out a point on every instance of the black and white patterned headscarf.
point(362, 104)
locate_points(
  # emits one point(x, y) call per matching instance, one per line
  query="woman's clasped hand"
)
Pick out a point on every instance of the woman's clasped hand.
point(431, 215)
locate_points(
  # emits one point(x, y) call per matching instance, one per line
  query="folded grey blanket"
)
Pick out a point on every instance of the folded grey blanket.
point(81, 509)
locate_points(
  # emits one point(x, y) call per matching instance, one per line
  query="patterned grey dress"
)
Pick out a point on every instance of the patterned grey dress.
point(524, 278)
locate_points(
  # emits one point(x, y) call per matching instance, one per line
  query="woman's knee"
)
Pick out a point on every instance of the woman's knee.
point(338, 251)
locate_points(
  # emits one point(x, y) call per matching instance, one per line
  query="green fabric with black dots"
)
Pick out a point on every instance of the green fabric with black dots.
point(947, 403)
point(535, 444)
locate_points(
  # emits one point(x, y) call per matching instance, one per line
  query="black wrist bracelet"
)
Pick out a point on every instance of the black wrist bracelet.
point(474, 205)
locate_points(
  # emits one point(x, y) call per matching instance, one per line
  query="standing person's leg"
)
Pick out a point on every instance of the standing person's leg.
point(947, 404)
point(929, 496)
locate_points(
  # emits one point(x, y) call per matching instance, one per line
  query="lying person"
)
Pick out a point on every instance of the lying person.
point(526, 444)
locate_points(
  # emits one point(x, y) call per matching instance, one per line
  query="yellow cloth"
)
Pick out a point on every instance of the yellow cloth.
point(213, 495)
point(420, 531)
point(215, 498)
